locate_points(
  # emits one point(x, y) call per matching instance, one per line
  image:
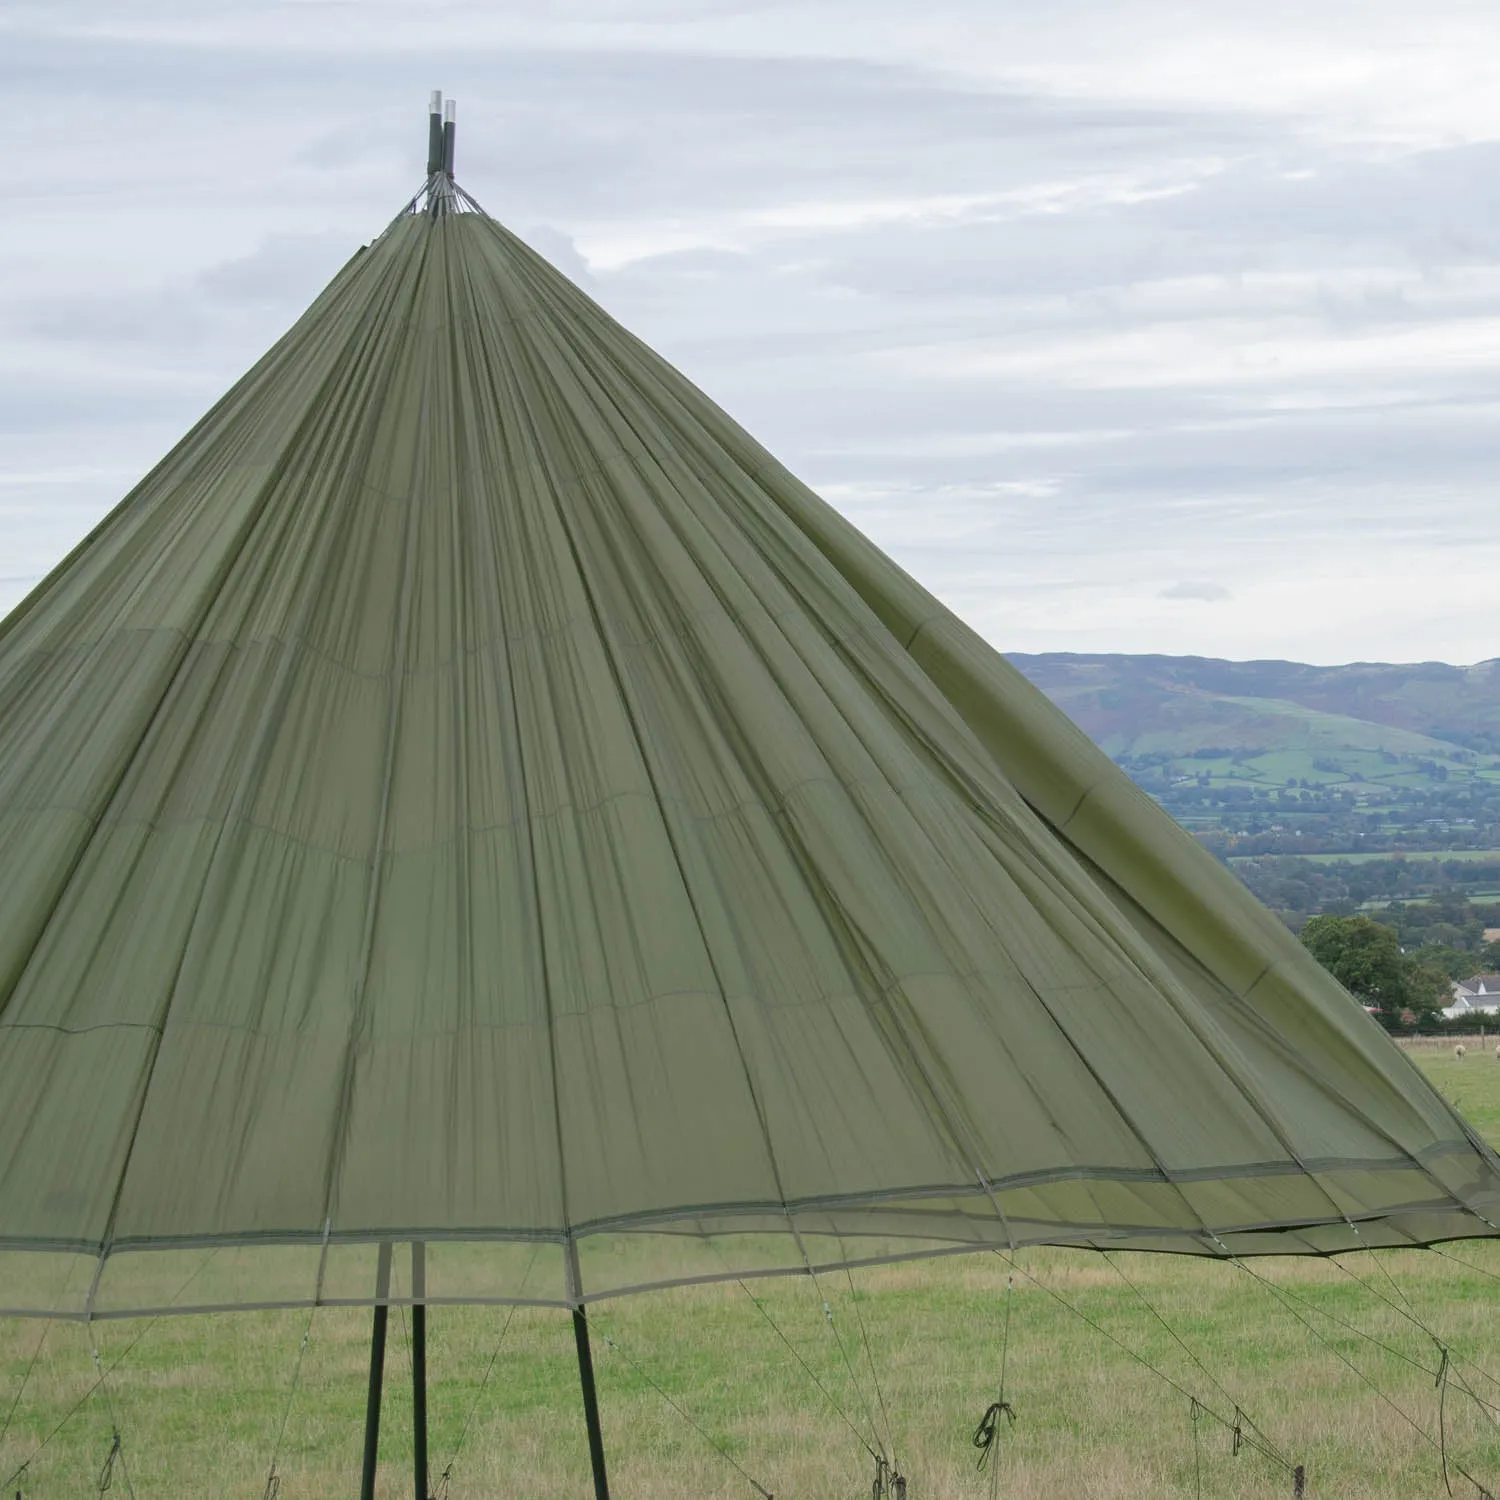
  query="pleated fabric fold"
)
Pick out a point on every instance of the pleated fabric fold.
point(470, 793)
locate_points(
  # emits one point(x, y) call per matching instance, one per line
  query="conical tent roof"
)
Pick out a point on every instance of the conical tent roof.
point(470, 793)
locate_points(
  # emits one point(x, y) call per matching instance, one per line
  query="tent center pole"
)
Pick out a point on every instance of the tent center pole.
point(377, 1373)
point(419, 1366)
point(590, 1402)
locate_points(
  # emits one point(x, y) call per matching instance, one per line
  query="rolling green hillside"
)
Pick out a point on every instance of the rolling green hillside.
point(1281, 757)
point(1186, 703)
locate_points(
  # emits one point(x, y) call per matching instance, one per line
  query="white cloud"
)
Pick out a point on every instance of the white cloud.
point(1076, 308)
point(1201, 589)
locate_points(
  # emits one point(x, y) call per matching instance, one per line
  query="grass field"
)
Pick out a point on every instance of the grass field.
point(1411, 856)
point(1365, 772)
point(199, 1400)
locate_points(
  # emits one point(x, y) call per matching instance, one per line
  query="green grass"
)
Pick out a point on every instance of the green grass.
point(199, 1399)
point(1473, 1084)
point(1355, 767)
point(1384, 903)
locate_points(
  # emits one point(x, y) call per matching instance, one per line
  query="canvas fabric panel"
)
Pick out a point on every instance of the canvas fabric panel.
point(469, 793)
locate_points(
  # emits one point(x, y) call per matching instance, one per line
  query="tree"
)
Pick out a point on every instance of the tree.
point(1429, 988)
point(1364, 956)
point(1455, 963)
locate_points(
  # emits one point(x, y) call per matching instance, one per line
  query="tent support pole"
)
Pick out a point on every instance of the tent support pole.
point(419, 1366)
point(377, 1373)
point(590, 1402)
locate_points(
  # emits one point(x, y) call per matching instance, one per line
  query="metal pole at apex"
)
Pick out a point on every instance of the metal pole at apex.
point(435, 132)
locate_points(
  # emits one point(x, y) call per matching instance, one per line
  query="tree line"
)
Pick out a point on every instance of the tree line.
point(1402, 961)
point(1297, 888)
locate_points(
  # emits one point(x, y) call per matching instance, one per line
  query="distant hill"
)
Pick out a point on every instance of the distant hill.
point(1187, 704)
point(1263, 757)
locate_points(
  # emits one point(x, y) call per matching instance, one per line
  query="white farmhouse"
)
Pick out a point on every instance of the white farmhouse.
point(1479, 996)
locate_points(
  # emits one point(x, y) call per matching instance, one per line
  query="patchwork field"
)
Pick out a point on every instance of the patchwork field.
point(1415, 856)
point(1334, 1363)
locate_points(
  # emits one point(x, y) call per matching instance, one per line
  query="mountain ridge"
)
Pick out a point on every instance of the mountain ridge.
point(1272, 756)
point(1120, 696)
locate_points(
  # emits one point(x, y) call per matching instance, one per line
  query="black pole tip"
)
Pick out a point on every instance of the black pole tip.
point(450, 125)
point(435, 132)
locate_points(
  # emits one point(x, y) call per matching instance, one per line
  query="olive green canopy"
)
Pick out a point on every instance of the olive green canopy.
point(469, 793)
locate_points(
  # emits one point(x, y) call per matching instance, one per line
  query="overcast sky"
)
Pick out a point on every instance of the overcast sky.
point(1125, 326)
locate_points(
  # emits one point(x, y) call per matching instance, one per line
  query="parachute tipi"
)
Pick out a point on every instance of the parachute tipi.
point(470, 794)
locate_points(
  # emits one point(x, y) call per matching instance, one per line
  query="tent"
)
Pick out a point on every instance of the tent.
point(470, 797)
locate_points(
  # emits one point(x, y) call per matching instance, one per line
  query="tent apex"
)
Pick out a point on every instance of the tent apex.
point(439, 194)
